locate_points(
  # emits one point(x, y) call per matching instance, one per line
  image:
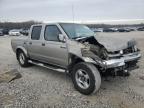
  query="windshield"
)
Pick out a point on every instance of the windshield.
point(76, 30)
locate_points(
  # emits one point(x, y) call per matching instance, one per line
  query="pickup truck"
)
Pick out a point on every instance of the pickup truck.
point(76, 50)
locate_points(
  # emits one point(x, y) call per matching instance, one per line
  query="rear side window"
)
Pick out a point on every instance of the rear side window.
point(36, 31)
point(51, 33)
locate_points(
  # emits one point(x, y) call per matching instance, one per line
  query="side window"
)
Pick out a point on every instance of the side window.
point(51, 33)
point(36, 31)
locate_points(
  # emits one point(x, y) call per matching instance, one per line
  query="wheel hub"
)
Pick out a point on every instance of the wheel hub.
point(82, 79)
point(21, 58)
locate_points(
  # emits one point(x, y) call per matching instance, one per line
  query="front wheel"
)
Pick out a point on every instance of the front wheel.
point(86, 78)
point(22, 59)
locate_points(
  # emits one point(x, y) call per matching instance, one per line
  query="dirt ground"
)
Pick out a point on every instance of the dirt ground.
point(42, 88)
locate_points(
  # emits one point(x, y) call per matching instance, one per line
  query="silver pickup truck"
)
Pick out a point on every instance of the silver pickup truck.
point(76, 50)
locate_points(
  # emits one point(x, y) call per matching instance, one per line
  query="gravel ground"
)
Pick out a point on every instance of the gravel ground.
point(42, 88)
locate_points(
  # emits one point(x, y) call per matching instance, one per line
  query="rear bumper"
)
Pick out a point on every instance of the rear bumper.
point(113, 63)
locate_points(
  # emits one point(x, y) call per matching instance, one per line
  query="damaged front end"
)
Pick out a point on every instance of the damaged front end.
point(113, 61)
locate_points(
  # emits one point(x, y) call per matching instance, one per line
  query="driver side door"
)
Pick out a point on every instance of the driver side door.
point(54, 51)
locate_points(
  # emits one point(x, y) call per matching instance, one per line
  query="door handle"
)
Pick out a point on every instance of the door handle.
point(63, 47)
point(30, 43)
point(43, 44)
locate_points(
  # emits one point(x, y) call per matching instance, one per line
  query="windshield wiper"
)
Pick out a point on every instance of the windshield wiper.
point(81, 37)
point(78, 37)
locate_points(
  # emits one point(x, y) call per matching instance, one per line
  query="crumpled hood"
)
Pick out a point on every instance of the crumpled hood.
point(114, 44)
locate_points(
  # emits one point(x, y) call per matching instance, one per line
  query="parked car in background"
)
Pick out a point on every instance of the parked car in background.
point(140, 29)
point(14, 32)
point(123, 30)
point(109, 30)
point(130, 29)
point(1, 33)
point(98, 30)
point(5, 31)
point(24, 32)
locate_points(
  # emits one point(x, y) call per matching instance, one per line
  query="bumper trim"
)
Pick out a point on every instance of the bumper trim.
point(121, 62)
point(132, 57)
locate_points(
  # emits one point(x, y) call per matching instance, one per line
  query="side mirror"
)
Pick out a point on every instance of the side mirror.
point(61, 37)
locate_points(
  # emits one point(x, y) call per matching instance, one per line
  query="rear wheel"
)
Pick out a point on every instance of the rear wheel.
point(86, 78)
point(22, 59)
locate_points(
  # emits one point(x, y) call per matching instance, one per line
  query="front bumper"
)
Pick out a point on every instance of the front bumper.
point(113, 63)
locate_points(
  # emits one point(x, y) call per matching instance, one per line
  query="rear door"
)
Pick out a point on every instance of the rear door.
point(34, 43)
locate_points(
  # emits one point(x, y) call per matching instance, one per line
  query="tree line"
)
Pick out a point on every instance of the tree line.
point(27, 25)
point(18, 25)
point(114, 26)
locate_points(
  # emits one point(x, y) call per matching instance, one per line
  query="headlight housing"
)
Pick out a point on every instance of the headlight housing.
point(121, 52)
point(88, 59)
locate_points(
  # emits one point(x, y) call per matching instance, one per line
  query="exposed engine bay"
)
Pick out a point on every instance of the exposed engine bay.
point(100, 51)
point(95, 47)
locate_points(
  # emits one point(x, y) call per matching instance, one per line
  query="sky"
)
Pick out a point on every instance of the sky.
point(100, 11)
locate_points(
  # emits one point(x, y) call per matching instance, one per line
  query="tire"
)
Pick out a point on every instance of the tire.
point(22, 59)
point(89, 82)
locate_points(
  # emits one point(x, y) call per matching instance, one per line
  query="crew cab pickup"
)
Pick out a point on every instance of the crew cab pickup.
point(76, 50)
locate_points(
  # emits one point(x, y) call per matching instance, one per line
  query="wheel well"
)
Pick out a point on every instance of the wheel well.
point(73, 61)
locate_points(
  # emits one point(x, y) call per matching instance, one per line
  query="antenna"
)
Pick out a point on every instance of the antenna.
point(73, 15)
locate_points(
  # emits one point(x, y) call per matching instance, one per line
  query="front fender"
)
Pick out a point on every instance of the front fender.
point(74, 48)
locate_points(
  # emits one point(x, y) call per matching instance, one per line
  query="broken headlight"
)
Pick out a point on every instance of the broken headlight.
point(121, 52)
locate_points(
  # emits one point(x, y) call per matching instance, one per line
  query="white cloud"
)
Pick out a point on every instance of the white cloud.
point(57, 10)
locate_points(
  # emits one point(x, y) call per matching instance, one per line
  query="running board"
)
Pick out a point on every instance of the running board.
point(47, 66)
